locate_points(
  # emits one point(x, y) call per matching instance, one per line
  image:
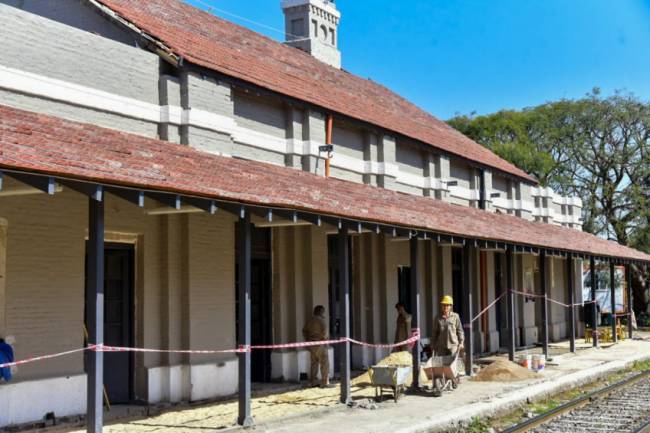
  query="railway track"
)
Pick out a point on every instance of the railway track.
point(620, 407)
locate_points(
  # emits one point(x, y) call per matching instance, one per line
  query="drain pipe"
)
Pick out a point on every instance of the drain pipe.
point(328, 143)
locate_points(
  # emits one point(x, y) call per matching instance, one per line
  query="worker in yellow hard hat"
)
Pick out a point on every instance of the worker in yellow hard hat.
point(448, 335)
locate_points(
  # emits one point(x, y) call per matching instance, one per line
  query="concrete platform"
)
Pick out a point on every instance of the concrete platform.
point(472, 399)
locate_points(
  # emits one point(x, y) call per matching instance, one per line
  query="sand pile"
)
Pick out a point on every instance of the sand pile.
point(396, 358)
point(503, 370)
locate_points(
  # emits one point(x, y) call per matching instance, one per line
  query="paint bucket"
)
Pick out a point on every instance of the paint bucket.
point(525, 361)
point(539, 362)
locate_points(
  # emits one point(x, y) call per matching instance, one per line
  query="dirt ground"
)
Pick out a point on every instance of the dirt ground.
point(279, 406)
point(214, 416)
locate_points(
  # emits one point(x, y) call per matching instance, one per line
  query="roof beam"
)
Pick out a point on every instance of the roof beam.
point(133, 196)
point(46, 184)
point(91, 190)
point(237, 209)
point(206, 205)
point(171, 200)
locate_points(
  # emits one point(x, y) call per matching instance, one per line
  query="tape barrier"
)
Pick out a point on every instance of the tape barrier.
point(42, 357)
point(577, 304)
point(530, 295)
point(488, 307)
point(299, 344)
point(535, 295)
point(415, 337)
point(240, 349)
point(104, 348)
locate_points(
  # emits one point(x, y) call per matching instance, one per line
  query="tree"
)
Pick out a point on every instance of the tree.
point(597, 148)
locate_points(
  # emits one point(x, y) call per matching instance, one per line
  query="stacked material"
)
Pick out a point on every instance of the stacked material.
point(503, 370)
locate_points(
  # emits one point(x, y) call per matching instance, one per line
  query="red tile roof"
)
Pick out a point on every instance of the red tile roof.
point(49, 145)
point(211, 42)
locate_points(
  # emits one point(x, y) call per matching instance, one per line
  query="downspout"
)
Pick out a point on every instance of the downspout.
point(481, 198)
point(328, 142)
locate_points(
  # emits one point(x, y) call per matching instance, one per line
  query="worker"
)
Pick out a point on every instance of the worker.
point(315, 330)
point(402, 327)
point(448, 335)
point(6, 356)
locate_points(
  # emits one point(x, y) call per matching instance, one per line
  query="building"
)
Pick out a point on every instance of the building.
point(188, 151)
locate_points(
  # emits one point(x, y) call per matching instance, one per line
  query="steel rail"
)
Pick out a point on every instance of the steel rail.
point(577, 403)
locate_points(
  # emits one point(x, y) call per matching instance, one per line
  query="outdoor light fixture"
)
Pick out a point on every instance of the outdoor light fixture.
point(326, 148)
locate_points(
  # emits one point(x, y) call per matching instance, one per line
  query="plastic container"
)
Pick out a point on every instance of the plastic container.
point(525, 361)
point(539, 362)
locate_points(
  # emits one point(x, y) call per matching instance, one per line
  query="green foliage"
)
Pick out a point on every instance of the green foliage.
point(545, 406)
point(477, 425)
point(597, 148)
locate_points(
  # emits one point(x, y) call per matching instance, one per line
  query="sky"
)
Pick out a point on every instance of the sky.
point(461, 56)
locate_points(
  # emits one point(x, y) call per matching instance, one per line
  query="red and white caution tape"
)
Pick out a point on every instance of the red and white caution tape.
point(240, 349)
point(535, 295)
point(42, 357)
point(577, 304)
point(298, 344)
point(488, 307)
point(527, 294)
point(104, 348)
point(415, 337)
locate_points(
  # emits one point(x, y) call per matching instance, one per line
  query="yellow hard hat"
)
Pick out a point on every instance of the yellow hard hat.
point(447, 300)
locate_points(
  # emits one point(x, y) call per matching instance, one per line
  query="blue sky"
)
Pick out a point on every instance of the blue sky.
point(458, 56)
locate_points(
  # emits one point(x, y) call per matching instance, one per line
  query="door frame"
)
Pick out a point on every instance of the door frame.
point(131, 249)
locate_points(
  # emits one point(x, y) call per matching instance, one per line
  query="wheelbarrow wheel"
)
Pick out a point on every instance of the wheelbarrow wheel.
point(438, 386)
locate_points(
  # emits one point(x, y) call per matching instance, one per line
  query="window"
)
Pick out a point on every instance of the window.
point(333, 37)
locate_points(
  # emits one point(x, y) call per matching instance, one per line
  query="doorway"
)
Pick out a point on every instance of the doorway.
point(119, 327)
point(261, 323)
point(502, 306)
point(404, 287)
point(457, 279)
point(334, 292)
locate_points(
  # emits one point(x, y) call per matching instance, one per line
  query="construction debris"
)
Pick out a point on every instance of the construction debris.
point(503, 370)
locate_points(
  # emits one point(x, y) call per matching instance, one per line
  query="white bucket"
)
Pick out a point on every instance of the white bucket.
point(525, 361)
point(539, 362)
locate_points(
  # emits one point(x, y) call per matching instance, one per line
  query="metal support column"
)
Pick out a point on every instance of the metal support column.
point(570, 276)
point(415, 306)
point(344, 278)
point(612, 292)
point(630, 304)
point(511, 305)
point(594, 313)
point(468, 271)
point(95, 316)
point(542, 280)
point(244, 419)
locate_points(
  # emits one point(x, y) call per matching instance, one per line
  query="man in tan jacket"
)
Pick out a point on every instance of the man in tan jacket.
point(402, 327)
point(448, 334)
point(316, 330)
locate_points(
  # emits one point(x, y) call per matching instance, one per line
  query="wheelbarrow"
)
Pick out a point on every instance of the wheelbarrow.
point(389, 377)
point(443, 371)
